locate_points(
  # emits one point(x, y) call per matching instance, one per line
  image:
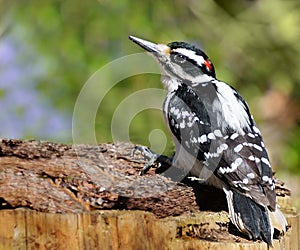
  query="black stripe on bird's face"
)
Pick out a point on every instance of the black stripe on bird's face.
point(191, 59)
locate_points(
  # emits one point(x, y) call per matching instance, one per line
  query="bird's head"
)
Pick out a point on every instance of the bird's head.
point(180, 60)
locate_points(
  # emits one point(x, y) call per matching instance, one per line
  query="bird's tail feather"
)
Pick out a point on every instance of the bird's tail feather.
point(249, 217)
point(278, 220)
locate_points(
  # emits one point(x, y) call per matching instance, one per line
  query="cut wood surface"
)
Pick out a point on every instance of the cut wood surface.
point(56, 196)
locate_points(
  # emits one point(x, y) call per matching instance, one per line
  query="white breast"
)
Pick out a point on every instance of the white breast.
point(170, 84)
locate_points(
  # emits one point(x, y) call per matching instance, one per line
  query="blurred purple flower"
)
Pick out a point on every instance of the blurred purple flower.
point(23, 112)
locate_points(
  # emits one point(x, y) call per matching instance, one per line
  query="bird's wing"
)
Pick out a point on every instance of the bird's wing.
point(244, 166)
point(189, 121)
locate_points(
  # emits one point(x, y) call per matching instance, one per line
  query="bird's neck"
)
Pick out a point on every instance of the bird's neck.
point(170, 84)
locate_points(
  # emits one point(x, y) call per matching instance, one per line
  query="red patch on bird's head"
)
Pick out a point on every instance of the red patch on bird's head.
point(208, 65)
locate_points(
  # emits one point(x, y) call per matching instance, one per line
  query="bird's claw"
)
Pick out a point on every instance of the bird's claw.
point(154, 160)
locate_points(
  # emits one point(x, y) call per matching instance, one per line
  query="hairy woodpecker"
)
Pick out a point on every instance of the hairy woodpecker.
point(216, 138)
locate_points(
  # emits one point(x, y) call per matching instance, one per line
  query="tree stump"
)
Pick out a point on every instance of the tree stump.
point(56, 196)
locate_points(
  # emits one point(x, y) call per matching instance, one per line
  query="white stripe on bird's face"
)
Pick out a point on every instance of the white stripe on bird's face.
point(190, 54)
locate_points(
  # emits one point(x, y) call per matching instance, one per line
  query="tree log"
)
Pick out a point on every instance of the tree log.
point(56, 196)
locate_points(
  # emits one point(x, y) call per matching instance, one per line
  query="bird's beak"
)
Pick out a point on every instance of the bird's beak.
point(153, 48)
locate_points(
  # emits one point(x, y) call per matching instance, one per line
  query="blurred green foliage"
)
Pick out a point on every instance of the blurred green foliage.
point(253, 44)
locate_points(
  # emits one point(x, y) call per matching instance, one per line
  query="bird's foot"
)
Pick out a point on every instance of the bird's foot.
point(154, 160)
point(193, 178)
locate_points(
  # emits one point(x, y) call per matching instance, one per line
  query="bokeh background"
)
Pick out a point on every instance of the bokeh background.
point(48, 50)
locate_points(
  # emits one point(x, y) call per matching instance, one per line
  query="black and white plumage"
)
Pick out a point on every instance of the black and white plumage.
point(216, 138)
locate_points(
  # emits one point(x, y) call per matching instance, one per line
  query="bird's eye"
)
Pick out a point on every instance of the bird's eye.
point(178, 58)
